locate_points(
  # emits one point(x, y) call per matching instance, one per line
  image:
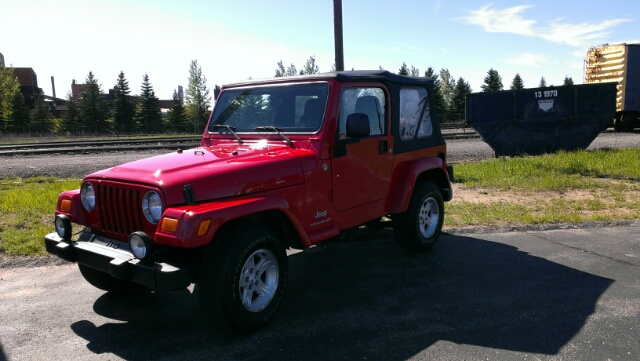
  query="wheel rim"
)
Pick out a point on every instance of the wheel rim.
point(428, 217)
point(259, 280)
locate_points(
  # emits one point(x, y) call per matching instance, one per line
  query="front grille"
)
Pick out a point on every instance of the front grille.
point(120, 209)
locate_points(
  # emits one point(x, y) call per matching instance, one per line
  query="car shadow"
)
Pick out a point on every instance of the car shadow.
point(364, 299)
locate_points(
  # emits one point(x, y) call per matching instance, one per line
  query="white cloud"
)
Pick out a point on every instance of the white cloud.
point(502, 21)
point(509, 20)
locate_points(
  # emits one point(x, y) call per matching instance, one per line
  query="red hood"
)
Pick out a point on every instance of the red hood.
point(214, 172)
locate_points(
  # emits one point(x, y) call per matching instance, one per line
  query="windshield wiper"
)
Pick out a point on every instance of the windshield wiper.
point(229, 128)
point(270, 128)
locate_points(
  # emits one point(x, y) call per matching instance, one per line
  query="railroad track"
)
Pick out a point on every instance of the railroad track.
point(113, 145)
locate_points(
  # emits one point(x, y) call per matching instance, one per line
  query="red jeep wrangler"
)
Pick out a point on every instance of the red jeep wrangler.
point(284, 163)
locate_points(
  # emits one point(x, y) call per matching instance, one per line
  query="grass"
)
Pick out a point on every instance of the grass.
point(27, 207)
point(582, 186)
point(600, 185)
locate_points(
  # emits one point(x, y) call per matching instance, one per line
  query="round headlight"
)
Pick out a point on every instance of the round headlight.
point(140, 245)
point(63, 227)
point(152, 207)
point(88, 196)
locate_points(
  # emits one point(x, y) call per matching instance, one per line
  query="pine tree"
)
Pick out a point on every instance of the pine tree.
point(460, 93)
point(40, 117)
point(403, 69)
point(568, 81)
point(70, 120)
point(543, 83)
point(414, 71)
point(492, 81)
point(517, 83)
point(177, 116)
point(19, 121)
point(148, 117)
point(93, 109)
point(123, 108)
point(197, 98)
point(441, 106)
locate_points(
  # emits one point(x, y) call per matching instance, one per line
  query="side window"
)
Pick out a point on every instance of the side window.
point(370, 101)
point(415, 117)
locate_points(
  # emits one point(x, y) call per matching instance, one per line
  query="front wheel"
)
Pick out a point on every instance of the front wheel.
point(419, 227)
point(242, 278)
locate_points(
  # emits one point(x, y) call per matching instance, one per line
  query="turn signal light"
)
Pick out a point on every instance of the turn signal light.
point(169, 225)
point(203, 227)
point(65, 205)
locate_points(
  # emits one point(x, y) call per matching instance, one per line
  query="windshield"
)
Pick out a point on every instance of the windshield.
point(291, 108)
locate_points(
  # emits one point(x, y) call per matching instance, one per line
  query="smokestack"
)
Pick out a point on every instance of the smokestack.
point(181, 94)
point(53, 87)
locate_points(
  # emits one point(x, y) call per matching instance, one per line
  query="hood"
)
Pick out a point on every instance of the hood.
point(213, 172)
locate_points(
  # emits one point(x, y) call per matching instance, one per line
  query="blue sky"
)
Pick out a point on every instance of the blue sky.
point(236, 40)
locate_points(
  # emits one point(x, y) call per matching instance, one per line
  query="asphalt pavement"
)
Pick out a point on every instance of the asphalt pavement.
point(564, 294)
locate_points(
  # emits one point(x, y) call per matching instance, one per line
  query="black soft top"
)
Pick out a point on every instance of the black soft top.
point(382, 76)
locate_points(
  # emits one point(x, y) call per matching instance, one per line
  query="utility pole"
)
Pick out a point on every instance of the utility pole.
point(337, 31)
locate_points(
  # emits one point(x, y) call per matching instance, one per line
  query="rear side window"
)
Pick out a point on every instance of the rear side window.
point(415, 117)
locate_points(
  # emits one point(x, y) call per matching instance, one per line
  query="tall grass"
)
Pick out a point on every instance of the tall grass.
point(26, 212)
point(553, 172)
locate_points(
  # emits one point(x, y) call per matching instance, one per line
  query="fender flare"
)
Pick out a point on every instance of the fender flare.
point(221, 212)
point(404, 181)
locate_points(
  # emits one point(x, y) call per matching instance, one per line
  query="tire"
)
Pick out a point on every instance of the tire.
point(242, 278)
point(419, 227)
point(106, 282)
point(617, 123)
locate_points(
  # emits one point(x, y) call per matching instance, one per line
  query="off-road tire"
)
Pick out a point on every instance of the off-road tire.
point(227, 273)
point(106, 282)
point(419, 227)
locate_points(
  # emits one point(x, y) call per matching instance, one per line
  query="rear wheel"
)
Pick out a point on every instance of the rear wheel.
point(418, 229)
point(106, 282)
point(242, 279)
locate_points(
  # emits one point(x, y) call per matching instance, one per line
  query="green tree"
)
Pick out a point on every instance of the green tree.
point(40, 118)
point(441, 107)
point(568, 81)
point(492, 81)
point(543, 83)
point(148, 117)
point(415, 72)
point(19, 121)
point(197, 98)
point(69, 122)
point(93, 109)
point(123, 108)
point(403, 69)
point(177, 117)
point(310, 67)
point(9, 87)
point(517, 83)
point(448, 84)
point(280, 70)
point(460, 93)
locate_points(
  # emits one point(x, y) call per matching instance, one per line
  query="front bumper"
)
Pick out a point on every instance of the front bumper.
point(113, 257)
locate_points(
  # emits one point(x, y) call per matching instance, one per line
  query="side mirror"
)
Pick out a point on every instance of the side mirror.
point(358, 125)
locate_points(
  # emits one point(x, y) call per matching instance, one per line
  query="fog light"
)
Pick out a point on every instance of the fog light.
point(140, 245)
point(63, 227)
